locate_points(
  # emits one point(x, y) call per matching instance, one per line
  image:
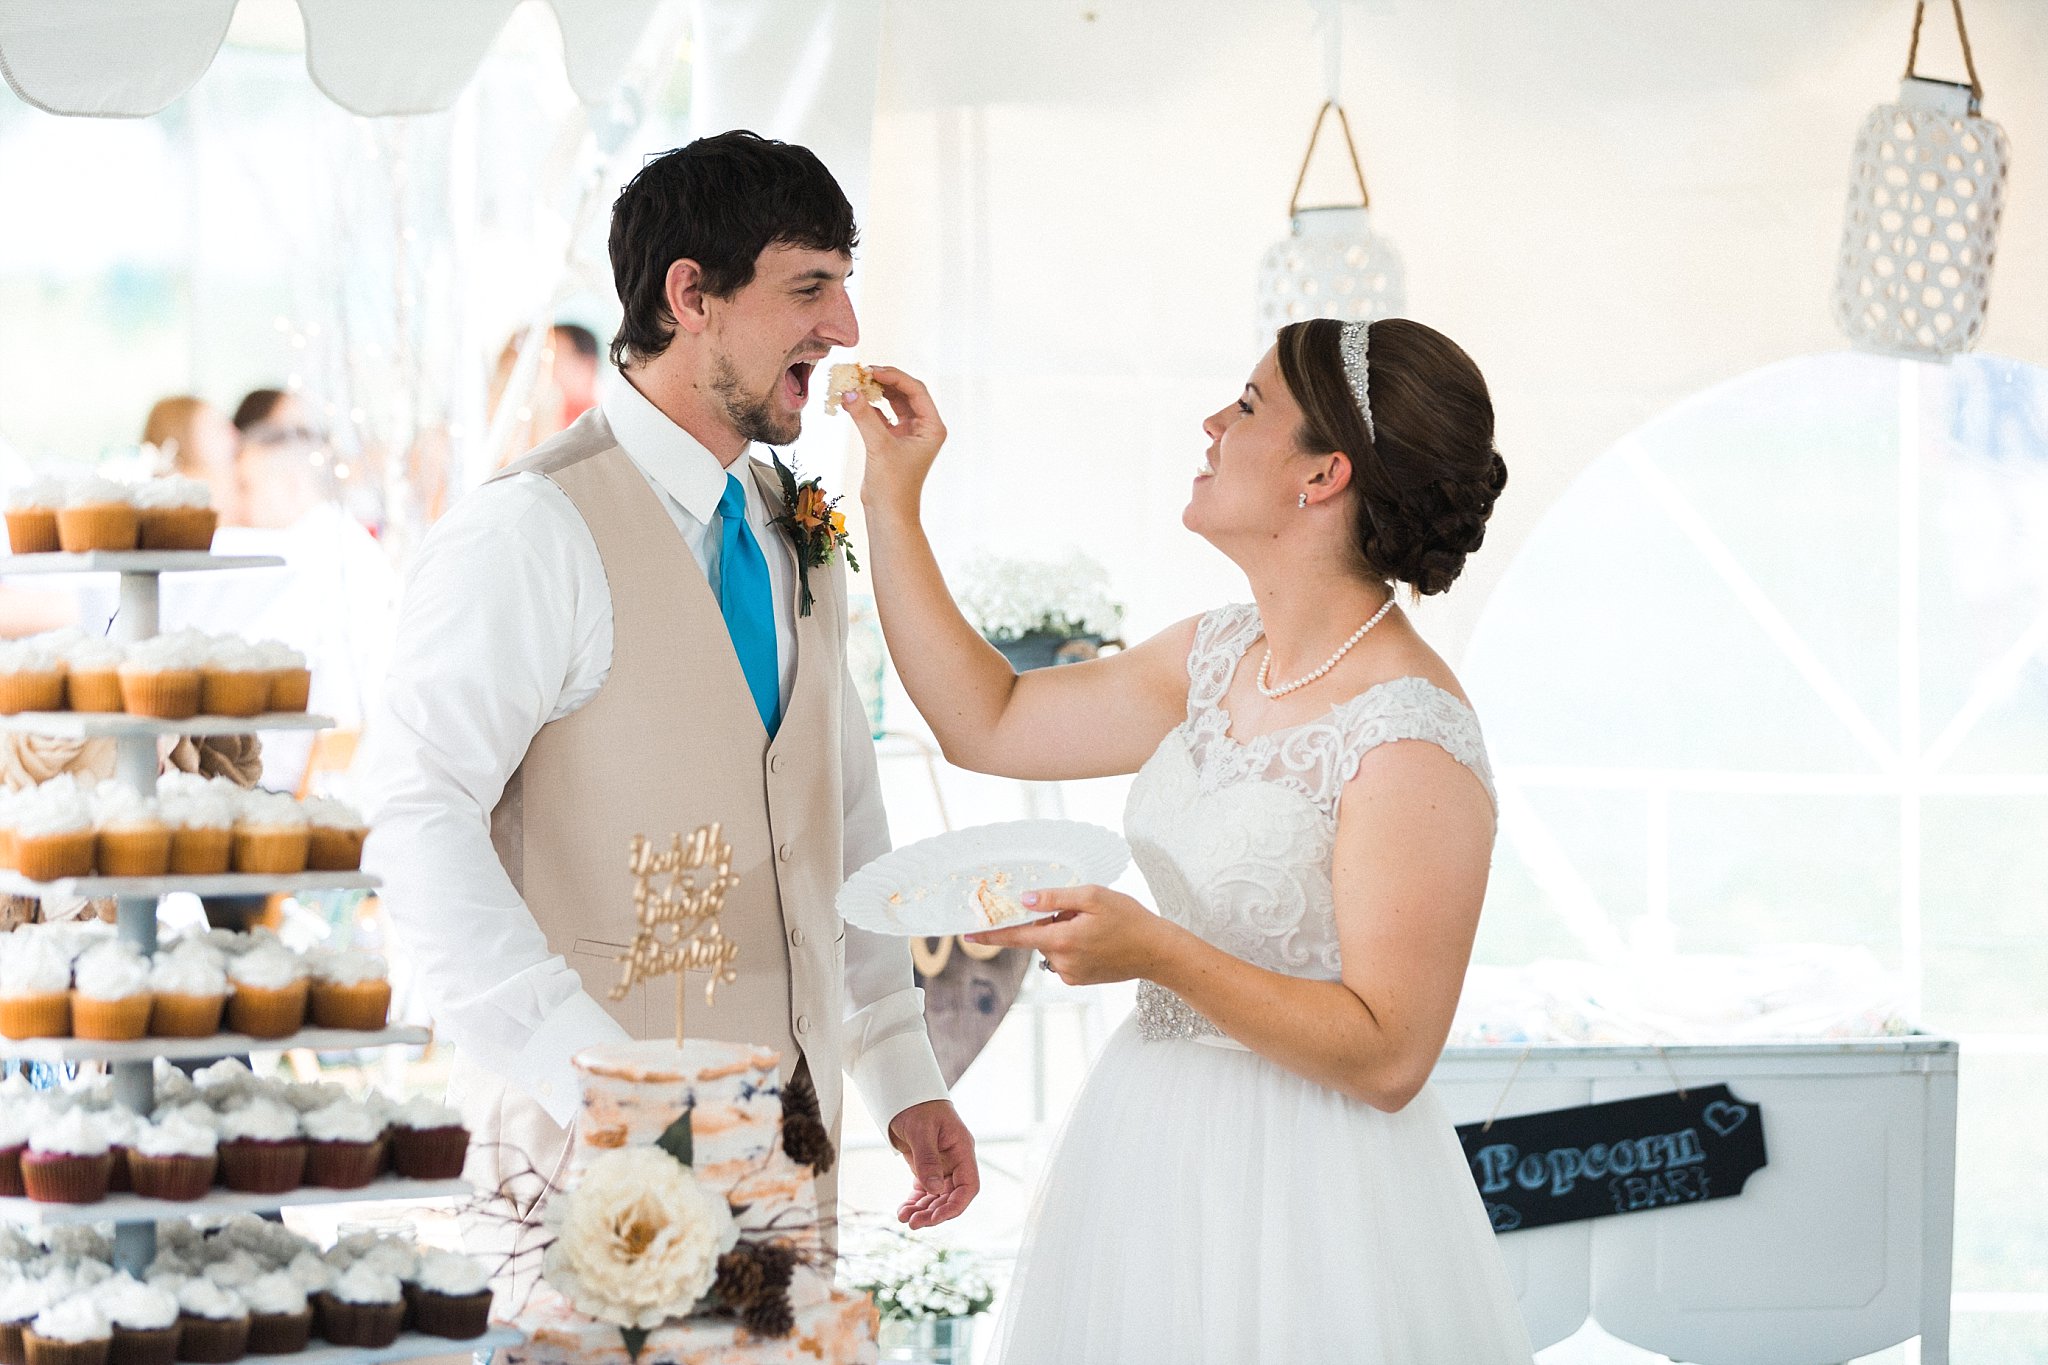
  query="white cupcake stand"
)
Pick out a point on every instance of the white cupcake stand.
point(133, 1064)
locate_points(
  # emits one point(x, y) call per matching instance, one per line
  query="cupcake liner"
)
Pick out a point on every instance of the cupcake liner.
point(10, 1184)
point(45, 1351)
point(32, 531)
point(31, 692)
point(110, 1021)
point(343, 1165)
point(13, 1351)
point(95, 691)
point(47, 857)
point(369, 1325)
point(429, 1153)
point(143, 1345)
point(272, 852)
point(36, 1016)
point(179, 1179)
point(53, 1178)
point(212, 1341)
point(185, 1016)
point(335, 850)
point(252, 1167)
point(225, 693)
point(201, 852)
point(291, 689)
point(119, 1181)
point(177, 528)
point(140, 852)
point(166, 694)
point(98, 526)
point(355, 1005)
point(280, 1334)
point(265, 1013)
point(10, 858)
point(457, 1316)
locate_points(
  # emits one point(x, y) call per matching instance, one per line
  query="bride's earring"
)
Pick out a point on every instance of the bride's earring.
point(1303, 502)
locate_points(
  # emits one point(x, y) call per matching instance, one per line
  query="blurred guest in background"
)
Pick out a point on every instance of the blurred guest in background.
point(200, 443)
point(575, 369)
point(562, 387)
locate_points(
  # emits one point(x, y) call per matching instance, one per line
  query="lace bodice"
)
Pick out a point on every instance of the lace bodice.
point(1235, 838)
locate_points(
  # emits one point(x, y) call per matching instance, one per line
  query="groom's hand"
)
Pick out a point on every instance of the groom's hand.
point(900, 453)
point(940, 1151)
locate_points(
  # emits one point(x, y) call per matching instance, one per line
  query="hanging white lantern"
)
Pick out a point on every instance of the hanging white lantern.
point(1331, 264)
point(1914, 275)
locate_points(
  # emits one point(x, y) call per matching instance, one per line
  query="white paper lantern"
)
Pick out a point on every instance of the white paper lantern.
point(1913, 278)
point(1332, 264)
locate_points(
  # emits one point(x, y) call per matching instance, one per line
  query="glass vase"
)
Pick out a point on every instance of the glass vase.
point(928, 1341)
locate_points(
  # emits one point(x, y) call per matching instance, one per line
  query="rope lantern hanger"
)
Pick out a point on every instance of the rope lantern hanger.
point(1926, 187)
point(1331, 264)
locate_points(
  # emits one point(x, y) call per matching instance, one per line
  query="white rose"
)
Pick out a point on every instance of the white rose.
point(638, 1240)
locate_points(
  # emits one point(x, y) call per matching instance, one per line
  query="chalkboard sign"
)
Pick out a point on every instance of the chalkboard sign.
point(1622, 1157)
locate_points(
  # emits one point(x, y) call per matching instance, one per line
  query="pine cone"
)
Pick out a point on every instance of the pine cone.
point(778, 1264)
point(770, 1316)
point(800, 1098)
point(808, 1144)
point(740, 1280)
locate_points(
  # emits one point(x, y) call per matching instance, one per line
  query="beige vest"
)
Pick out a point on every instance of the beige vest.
point(672, 741)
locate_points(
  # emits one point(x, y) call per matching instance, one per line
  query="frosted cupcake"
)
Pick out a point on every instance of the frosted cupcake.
point(365, 1307)
point(31, 677)
point(261, 1149)
point(35, 987)
point(160, 675)
point(71, 1331)
point(144, 1320)
point(53, 830)
point(21, 1298)
point(92, 671)
point(69, 1160)
point(451, 1296)
point(338, 832)
point(121, 1125)
point(213, 1323)
point(344, 1146)
point(202, 825)
point(291, 681)
point(110, 998)
point(130, 836)
point(17, 1118)
point(174, 1157)
point(272, 836)
point(97, 515)
point(174, 514)
point(268, 992)
point(32, 516)
point(189, 990)
point(235, 680)
point(280, 1315)
point(428, 1141)
point(351, 989)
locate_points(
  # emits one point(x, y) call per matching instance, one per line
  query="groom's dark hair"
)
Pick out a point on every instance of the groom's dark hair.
point(720, 201)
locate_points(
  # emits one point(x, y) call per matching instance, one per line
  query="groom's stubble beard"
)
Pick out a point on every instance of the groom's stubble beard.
point(755, 417)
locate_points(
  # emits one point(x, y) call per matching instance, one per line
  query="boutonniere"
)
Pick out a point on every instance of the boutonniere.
point(815, 525)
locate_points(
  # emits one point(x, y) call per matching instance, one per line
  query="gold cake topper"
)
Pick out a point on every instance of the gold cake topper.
point(679, 930)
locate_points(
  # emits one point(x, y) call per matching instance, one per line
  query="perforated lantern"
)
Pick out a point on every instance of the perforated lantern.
point(1914, 275)
point(1332, 264)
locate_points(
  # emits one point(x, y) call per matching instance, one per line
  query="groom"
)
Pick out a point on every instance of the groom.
point(608, 640)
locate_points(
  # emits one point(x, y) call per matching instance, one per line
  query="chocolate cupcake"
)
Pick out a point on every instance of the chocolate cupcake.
point(344, 1146)
point(69, 1160)
point(144, 1319)
point(428, 1141)
point(213, 1323)
point(280, 1316)
point(72, 1331)
point(451, 1296)
point(174, 1158)
point(261, 1148)
point(364, 1307)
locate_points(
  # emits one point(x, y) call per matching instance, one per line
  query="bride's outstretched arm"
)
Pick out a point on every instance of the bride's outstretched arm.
point(1414, 839)
point(1084, 720)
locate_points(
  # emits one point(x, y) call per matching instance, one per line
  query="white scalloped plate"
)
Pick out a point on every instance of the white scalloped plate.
point(929, 888)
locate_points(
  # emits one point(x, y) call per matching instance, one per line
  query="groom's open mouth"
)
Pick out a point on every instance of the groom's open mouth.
point(796, 382)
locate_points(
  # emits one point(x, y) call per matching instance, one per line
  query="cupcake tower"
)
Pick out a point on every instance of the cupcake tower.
point(148, 1143)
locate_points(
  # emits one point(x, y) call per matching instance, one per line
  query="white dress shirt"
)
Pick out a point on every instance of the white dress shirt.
point(506, 625)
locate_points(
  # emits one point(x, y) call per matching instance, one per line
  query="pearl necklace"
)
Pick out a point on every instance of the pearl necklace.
point(1270, 693)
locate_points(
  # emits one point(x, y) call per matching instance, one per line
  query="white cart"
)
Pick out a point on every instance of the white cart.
point(1839, 1247)
point(133, 1063)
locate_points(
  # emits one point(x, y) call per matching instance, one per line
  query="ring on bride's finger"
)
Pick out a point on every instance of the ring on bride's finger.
point(1045, 964)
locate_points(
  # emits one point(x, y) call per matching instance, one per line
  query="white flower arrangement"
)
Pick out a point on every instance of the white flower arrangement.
point(637, 1241)
point(1010, 598)
point(911, 1280)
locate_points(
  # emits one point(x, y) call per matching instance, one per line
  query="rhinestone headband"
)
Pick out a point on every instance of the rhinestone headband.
point(1351, 344)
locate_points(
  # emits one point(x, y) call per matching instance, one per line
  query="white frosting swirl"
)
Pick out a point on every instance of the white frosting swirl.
point(268, 968)
point(177, 1134)
point(88, 653)
point(278, 655)
point(328, 813)
point(139, 1307)
point(446, 1272)
point(310, 1273)
point(27, 656)
point(45, 495)
point(116, 805)
point(75, 1132)
point(362, 1283)
point(260, 1120)
point(270, 810)
point(348, 966)
point(177, 650)
point(22, 1299)
point(188, 970)
point(231, 655)
point(205, 1299)
point(55, 807)
point(76, 1318)
point(391, 1256)
point(113, 971)
point(275, 1293)
point(345, 1121)
point(90, 490)
point(34, 965)
point(236, 1269)
point(171, 491)
point(422, 1111)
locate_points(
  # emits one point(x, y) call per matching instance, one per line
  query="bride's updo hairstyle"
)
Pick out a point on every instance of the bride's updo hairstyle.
point(1428, 483)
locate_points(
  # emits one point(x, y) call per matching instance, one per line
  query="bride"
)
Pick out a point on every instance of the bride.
point(1257, 1170)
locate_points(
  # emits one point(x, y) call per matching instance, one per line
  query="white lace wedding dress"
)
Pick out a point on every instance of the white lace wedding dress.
point(1206, 1207)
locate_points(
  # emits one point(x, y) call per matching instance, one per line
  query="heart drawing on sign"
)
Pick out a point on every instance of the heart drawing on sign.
point(1506, 1217)
point(1724, 1118)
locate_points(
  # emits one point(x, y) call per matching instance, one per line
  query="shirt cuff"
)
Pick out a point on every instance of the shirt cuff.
point(896, 1073)
point(544, 1070)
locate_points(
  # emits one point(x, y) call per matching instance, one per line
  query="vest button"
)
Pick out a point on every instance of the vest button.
point(796, 938)
point(775, 763)
point(803, 1023)
point(785, 853)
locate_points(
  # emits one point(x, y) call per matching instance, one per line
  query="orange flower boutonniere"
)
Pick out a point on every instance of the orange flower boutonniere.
point(816, 526)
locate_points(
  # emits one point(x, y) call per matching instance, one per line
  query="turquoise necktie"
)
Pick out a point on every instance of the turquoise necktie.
point(748, 603)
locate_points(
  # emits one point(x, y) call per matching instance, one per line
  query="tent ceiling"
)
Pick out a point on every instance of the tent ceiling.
point(131, 58)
